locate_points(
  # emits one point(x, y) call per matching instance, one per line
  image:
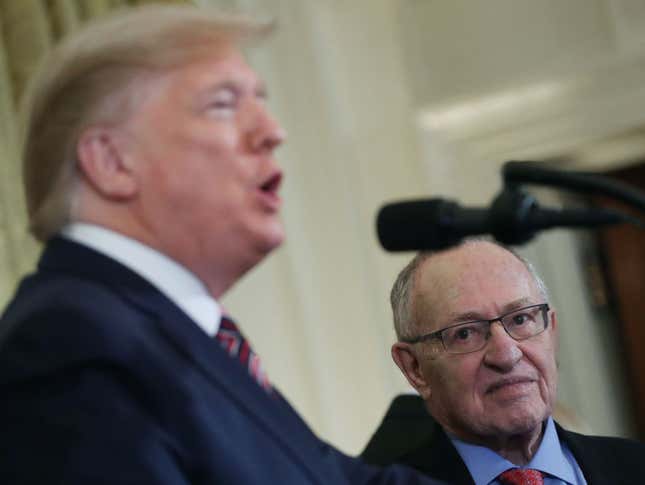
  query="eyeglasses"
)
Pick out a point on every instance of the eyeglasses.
point(466, 337)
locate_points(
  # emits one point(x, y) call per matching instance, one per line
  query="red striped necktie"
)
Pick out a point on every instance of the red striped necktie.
point(233, 342)
point(521, 476)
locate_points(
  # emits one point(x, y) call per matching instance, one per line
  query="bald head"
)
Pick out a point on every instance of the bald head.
point(436, 266)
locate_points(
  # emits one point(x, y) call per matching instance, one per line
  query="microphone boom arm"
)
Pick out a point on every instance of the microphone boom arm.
point(516, 172)
point(515, 217)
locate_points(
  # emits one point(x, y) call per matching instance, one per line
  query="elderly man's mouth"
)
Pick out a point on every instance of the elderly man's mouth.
point(511, 387)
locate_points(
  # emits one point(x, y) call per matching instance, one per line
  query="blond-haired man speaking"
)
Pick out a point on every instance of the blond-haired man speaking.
point(150, 176)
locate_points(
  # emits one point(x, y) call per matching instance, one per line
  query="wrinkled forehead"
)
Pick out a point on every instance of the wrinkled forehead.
point(482, 280)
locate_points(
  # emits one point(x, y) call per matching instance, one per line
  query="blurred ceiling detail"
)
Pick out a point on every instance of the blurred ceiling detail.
point(529, 79)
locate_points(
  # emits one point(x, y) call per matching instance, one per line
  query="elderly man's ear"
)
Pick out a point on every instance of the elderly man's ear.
point(553, 321)
point(406, 359)
point(104, 163)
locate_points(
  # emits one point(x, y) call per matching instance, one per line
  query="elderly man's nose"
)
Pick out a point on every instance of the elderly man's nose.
point(502, 351)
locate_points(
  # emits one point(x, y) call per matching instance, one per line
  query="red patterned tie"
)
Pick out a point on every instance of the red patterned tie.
point(238, 347)
point(521, 476)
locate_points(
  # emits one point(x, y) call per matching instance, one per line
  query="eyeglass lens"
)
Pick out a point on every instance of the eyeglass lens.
point(471, 336)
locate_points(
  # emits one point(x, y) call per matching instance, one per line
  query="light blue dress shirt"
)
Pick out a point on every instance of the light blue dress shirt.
point(552, 457)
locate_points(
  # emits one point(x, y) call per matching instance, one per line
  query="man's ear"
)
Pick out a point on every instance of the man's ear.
point(104, 165)
point(406, 359)
point(555, 331)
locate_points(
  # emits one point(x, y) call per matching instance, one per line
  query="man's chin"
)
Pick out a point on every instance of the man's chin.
point(269, 239)
point(520, 422)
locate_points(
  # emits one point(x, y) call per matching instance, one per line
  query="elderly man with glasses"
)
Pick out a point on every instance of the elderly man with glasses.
point(477, 340)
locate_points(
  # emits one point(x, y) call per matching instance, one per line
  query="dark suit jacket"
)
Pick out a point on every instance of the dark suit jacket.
point(103, 380)
point(410, 436)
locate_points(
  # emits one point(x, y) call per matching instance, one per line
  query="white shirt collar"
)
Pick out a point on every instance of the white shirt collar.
point(181, 286)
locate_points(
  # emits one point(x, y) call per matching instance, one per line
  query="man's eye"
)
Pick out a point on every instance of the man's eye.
point(464, 334)
point(223, 102)
point(521, 319)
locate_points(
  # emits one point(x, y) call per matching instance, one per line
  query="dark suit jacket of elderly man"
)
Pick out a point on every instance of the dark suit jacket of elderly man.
point(408, 435)
point(104, 381)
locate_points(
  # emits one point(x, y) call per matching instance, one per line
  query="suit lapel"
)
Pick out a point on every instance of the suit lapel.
point(233, 379)
point(590, 460)
point(438, 458)
point(270, 412)
point(442, 460)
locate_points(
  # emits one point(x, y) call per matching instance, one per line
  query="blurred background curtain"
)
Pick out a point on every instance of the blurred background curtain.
point(390, 99)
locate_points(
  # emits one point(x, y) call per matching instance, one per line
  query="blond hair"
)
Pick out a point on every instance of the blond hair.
point(89, 78)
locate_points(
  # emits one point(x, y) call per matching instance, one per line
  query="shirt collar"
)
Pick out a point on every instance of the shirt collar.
point(181, 286)
point(550, 457)
point(485, 465)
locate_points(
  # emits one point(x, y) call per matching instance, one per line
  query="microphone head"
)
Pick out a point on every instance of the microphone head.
point(417, 225)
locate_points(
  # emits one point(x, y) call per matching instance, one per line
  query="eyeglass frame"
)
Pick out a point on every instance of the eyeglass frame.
point(438, 334)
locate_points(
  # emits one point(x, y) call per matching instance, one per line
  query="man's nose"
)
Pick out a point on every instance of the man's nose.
point(502, 351)
point(266, 132)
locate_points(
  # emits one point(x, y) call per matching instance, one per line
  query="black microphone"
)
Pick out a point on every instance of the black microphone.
point(513, 218)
